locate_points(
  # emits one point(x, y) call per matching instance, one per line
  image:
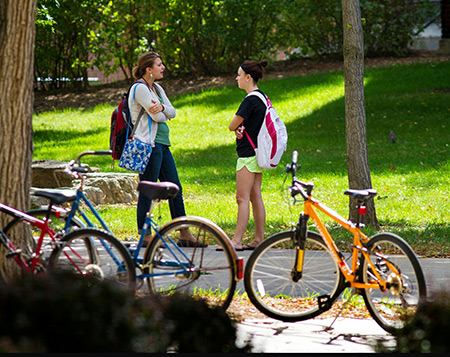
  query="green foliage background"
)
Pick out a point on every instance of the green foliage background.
point(206, 37)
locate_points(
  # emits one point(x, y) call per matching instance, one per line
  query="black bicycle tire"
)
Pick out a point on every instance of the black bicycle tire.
point(253, 290)
point(151, 252)
point(124, 254)
point(418, 272)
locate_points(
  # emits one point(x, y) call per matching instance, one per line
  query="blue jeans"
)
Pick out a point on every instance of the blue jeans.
point(161, 166)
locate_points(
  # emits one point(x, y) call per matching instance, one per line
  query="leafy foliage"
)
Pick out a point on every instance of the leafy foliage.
point(62, 312)
point(206, 37)
point(390, 25)
point(63, 47)
point(315, 27)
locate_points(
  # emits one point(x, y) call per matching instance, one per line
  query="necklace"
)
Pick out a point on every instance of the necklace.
point(145, 81)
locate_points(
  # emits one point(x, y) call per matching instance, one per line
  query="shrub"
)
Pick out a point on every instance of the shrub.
point(69, 313)
point(428, 332)
point(199, 328)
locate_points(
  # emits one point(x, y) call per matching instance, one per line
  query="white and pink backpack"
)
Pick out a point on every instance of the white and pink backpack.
point(272, 137)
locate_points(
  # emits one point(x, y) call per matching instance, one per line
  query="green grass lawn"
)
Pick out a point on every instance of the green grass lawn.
point(412, 176)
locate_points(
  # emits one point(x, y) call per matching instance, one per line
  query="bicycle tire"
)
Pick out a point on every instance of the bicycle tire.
point(7, 273)
point(212, 273)
point(387, 308)
point(269, 284)
point(106, 259)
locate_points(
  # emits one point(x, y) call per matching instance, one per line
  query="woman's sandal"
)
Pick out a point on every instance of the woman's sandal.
point(248, 247)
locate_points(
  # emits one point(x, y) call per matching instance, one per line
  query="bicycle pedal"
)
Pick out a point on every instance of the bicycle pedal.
point(324, 302)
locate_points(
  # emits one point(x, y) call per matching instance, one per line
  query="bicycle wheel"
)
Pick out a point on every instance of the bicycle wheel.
point(271, 287)
point(202, 272)
point(397, 306)
point(91, 251)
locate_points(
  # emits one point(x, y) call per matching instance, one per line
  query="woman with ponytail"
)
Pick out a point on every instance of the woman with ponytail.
point(248, 120)
point(161, 166)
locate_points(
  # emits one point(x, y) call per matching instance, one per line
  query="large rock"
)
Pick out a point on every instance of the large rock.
point(100, 188)
point(50, 174)
point(117, 188)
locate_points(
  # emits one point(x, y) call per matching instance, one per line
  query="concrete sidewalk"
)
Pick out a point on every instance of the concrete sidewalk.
point(346, 335)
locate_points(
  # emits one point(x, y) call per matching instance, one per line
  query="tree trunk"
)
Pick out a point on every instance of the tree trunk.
point(445, 18)
point(355, 115)
point(17, 36)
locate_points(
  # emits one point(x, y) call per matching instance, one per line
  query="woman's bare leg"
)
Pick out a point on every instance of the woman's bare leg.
point(259, 211)
point(244, 185)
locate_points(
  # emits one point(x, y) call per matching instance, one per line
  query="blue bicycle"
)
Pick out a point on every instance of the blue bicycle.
point(207, 267)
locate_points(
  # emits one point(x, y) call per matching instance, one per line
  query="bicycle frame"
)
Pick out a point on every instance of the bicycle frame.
point(148, 225)
point(38, 223)
point(42, 225)
point(75, 208)
point(359, 239)
point(81, 197)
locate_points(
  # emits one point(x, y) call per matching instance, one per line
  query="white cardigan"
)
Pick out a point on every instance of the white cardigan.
point(143, 98)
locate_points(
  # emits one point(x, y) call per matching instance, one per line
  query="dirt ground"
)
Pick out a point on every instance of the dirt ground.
point(111, 93)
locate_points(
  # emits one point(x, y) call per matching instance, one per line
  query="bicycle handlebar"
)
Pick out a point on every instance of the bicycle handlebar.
point(298, 187)
point(100, 152)
point(82, 169)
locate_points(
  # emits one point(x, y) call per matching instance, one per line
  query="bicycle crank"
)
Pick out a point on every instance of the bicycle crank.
point(95, 271)
point(191, 273)
point(394, 284)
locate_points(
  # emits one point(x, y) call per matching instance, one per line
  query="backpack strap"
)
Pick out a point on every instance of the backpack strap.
point(264, 99)
point(141, 113)
point(158, 92)
point(251, 142)
point(259, 95)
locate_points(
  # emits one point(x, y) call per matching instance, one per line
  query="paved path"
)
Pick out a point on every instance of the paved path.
point(347, 335)
point(272, 336)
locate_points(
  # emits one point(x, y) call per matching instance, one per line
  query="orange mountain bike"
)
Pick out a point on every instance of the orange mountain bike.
point(298, 274)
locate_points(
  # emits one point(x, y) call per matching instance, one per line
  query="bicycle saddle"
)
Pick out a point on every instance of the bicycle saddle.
point(158, 190)
point(57, 196)
point(362, 195)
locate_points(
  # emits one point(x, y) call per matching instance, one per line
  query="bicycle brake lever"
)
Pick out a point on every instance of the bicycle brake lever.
point(69, 168)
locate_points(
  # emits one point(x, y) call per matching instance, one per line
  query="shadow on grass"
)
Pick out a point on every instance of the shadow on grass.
point(67, 135)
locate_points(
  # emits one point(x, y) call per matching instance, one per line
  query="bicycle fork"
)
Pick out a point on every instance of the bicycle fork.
point(299, 244)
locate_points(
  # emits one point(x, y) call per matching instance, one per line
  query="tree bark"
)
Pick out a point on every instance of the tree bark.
point(445, 18)
point(17, 36)
point(355, 115)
